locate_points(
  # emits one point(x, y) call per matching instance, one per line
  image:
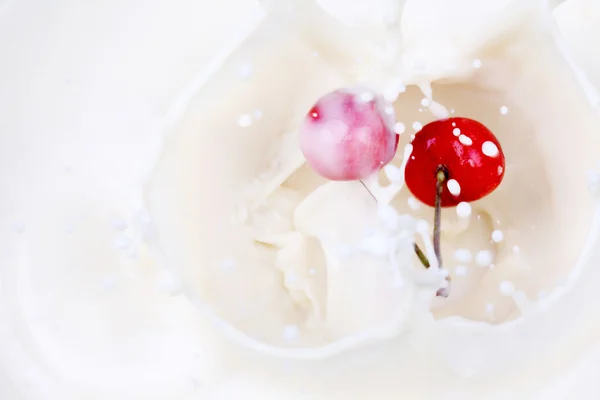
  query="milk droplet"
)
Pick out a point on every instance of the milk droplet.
point(453, 187)
point(422, 226)
point(507, 288)
point(245, 120)
point(456, 131)
point(18, 226)
point(393, 173)
point(465, 140)
point(463, 209)
point(291, 278)
point(483, 258)
point(245, 70)
point(344, 251)
point(393, 90)
point(490, 149)
point(463, 255)
point(438, 110)
point(121, 243)
point(366, 97)
point(118, 224)
point(228, 264)
point(291, 332)
point(477, 63)
point(169, 282)
point(413, 203)
point(425, 102)
point(399, 128)
point(593, 179)
point(108, 283)
point(497, 236)
point(460, 270)
point(452, 111)
point(503, 110)
point(417, 126)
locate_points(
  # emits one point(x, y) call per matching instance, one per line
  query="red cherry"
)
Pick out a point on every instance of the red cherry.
point(348, 135)
point(472, 157)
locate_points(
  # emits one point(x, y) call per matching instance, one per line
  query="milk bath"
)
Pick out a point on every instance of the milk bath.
point(229, 267)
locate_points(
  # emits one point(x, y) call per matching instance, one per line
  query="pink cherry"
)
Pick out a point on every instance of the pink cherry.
point(348, 135)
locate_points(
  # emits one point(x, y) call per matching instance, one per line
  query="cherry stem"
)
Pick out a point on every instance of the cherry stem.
point(422, 257)
point(368, 190)
point(441, 176)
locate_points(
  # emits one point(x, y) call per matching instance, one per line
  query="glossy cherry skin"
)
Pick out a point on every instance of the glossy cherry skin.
point(348, 135)
point(471, 154)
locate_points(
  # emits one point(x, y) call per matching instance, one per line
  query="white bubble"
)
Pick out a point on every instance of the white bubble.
point(463, 255)
point(456, 131)
point(489, 307)
point(477, 63)
point(490, 149)
point(453, 187)
point(257, 113)
point(465, 140)
point(312, 271)
point(497, 236)
point(507, 288)
point(484, 258)
point(460, 270)
point(399, 128)
point(417, 126)
point(291, 332)
point(245, 120)
point(503, 110)
point(425, 102)
point(463, 209)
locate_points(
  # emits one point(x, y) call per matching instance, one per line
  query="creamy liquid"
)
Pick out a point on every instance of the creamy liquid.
point(235, 269)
